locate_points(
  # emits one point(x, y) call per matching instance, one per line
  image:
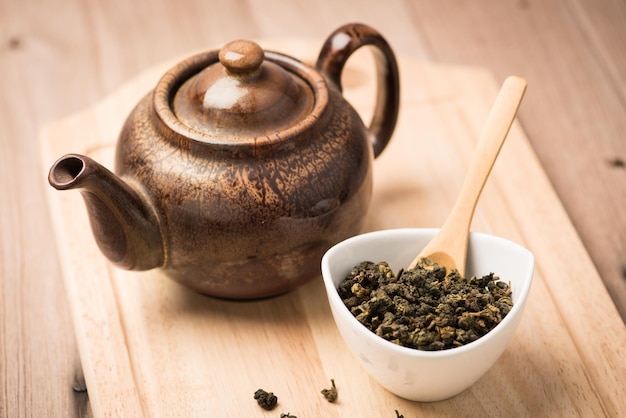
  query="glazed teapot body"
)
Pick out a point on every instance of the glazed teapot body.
point(237, 191)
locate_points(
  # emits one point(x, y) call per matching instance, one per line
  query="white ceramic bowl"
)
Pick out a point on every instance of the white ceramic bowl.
point(426, 375)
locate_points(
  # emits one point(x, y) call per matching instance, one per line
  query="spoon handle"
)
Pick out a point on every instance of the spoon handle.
point(453, 237)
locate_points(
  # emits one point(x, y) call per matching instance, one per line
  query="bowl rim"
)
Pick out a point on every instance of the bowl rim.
point(335, 300)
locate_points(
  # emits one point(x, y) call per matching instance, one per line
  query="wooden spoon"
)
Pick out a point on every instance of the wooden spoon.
point(449, 247)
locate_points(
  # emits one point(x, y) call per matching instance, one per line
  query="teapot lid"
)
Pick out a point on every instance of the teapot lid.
point(244, 95)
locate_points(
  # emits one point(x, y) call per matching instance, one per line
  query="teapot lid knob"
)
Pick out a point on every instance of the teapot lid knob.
point(241, 57)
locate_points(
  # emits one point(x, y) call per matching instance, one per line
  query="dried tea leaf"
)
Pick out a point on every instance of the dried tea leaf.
point(266, 400)
point(331, 393)
point(426, 307)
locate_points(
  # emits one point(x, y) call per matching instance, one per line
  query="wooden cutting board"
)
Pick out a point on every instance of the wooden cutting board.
point(150, 347)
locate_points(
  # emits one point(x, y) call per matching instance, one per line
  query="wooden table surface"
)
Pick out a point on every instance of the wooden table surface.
point(58, 57)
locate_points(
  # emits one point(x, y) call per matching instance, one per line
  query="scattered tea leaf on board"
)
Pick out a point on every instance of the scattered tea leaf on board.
point(331, 393)
point(267, 400)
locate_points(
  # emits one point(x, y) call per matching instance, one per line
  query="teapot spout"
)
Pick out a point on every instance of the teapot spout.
point(124, 224)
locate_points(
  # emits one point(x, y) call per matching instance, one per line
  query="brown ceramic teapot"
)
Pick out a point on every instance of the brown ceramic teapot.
point(241, 168)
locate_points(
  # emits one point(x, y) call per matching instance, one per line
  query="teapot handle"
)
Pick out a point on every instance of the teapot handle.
point(339, 46)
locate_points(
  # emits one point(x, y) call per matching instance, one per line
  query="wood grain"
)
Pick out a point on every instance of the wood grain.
point(58, 57)
point(150, 347)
